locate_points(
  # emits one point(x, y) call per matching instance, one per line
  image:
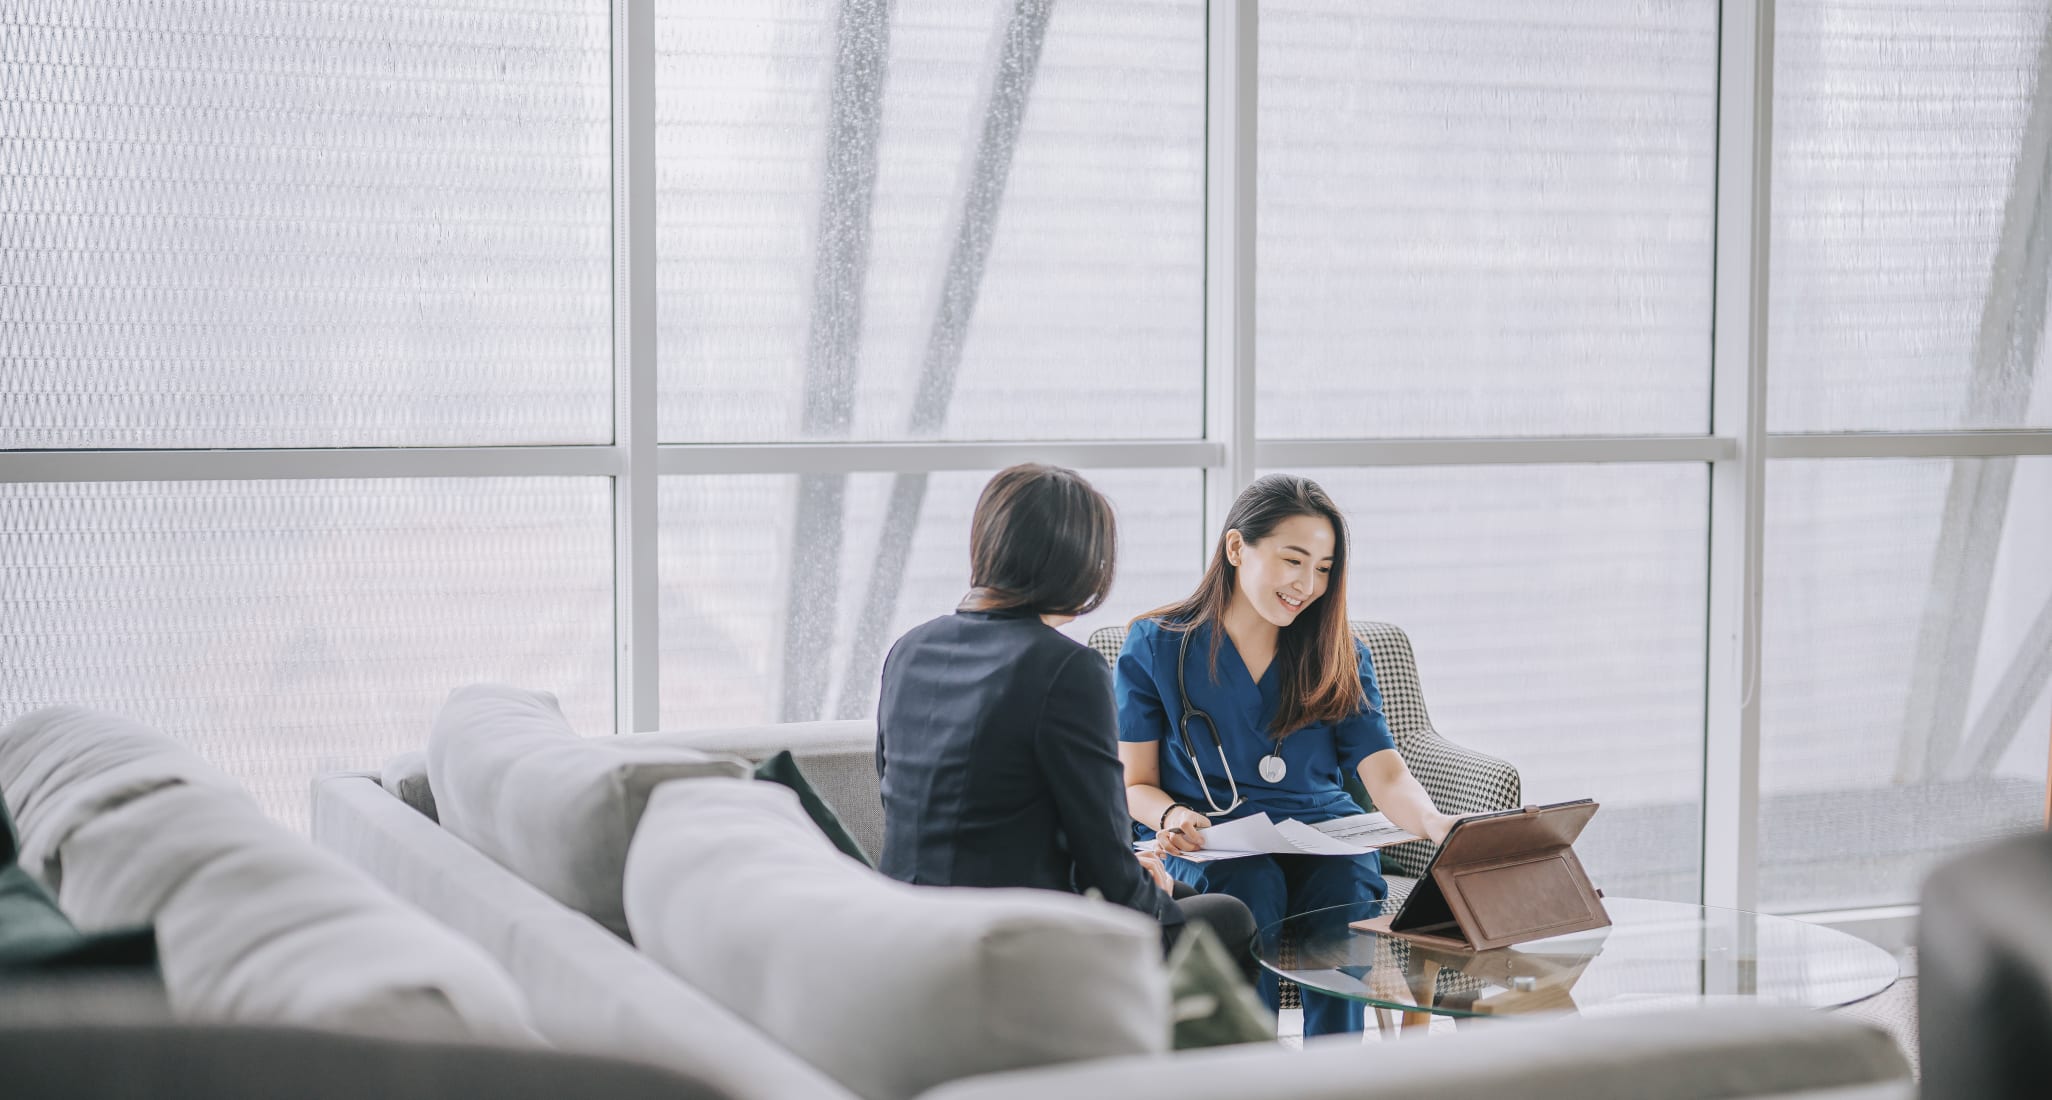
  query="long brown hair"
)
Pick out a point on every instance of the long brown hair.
point(1320, 673)
point(1043, 541)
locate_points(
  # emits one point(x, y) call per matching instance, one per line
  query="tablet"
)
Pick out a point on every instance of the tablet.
point(1503, 878)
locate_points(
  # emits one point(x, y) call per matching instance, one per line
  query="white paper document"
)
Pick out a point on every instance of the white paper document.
point(1257, 835)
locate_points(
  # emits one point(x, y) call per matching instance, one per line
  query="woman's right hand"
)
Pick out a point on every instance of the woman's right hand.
point(1182, 831)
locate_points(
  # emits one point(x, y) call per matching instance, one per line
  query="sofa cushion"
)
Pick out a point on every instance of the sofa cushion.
point(62, 766)
point(35, 936)
point(888, 988)
point(406, 777)
point(9, 844)
point(782, 769)
point(256, 925)
point(1214, 1005)
point(839, 759)
point(514, 780)
point(587, 990)
point(1719, 1052)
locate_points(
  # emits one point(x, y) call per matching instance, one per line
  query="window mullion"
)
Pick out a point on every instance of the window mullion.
point(1229, 136)
point(1731, 749)
point(637, 691)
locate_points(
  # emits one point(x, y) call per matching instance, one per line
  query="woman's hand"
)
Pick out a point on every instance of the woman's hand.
point(1181, 831)
point(1438, 825)
point(1151, 860)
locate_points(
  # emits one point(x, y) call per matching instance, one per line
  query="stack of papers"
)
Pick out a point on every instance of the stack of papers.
point(1257, 835)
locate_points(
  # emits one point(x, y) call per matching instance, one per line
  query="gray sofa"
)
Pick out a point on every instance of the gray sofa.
point(116, 1039)
point(590, 991)
point(1984, 956)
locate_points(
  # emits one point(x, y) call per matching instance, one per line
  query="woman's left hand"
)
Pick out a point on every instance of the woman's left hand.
point(1151, 860)
point(1440, 824)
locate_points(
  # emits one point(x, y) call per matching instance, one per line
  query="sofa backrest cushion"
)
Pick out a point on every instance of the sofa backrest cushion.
point(62, 766)
point(36, 936)
point(838, 758)
point(783, 769)
point(405, 776)
point(512, 779)
point(256, 925)
point(886, 987)
point(587, 989)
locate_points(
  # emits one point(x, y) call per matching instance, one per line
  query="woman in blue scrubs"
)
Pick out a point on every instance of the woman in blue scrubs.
point(1265, 702)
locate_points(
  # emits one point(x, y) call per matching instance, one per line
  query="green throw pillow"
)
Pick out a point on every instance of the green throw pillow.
point(1212, 1002)
point(783, 769)
point(10, 846)
point(36, 936)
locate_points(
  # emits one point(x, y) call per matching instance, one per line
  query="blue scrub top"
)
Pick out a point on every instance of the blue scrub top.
point(1319, 756)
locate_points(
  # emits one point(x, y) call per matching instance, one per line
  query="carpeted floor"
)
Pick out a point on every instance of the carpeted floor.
point(1894, 1010)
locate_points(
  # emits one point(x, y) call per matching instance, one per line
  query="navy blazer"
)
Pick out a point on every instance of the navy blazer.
point(997, 752)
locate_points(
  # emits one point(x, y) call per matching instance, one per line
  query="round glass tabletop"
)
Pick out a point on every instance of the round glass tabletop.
point(1654, 953)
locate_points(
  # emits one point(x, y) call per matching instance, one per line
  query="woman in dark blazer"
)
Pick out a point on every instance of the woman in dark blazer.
point(997, 737)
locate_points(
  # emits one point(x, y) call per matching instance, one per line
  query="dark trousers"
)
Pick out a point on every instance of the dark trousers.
point(1275, 887)
point(1230, 920)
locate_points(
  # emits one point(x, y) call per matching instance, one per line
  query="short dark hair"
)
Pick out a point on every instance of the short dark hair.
point(1042, 541)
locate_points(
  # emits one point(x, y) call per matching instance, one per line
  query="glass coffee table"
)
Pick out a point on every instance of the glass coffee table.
point(1654, 954)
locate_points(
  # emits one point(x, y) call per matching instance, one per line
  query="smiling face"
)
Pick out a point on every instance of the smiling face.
point(1285, 572)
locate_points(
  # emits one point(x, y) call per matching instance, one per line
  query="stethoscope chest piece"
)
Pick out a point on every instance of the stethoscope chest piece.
point(1272, 768)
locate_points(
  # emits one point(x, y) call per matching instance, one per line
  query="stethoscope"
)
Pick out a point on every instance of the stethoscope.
point(1272, 766)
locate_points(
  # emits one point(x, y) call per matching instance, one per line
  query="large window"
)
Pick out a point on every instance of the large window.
point(1905, 693)
point(734, 653)
point(1908, 613)
point(930, 220)
point(654, 354)
point(1909, 240)
point(1486, 219)
point(305, 225)
point(285, 628)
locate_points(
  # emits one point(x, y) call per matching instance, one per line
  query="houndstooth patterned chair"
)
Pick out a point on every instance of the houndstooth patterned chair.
point(1460, 780)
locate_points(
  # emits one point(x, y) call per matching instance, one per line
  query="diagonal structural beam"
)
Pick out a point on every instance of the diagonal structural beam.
point(1977, 497)
point(2003, 717)
point(1016, 59)
point(854, 126)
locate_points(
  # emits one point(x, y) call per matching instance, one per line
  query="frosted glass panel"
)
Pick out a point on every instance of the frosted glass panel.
point(1897, 187)
point(287, 628)
point(1557, 616)
point(308, 224)
point(1486, 218)
point(727, 563)
point(1904, 707)
point(890, 221)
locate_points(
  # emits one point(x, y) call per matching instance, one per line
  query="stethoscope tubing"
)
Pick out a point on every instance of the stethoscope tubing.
point(1190, 745)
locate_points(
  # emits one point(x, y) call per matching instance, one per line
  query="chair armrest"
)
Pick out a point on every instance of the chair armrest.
point(1689, 1054)
point(1460, 781)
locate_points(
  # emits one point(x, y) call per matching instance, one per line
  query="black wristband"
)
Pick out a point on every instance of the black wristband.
point(1162, 826)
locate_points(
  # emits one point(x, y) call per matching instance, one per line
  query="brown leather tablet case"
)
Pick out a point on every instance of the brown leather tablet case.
point(1501, 879)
